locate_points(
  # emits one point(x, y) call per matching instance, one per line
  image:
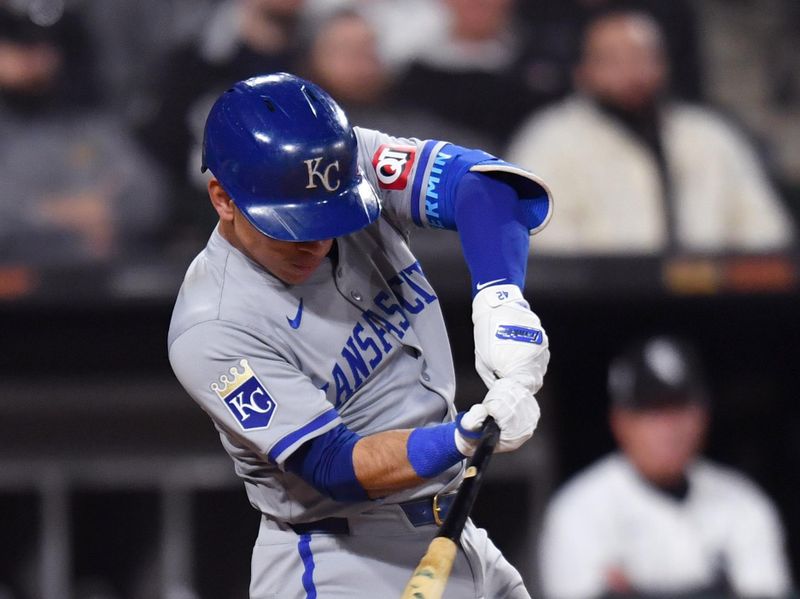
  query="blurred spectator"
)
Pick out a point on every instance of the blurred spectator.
point(75, 188)
point(472, 75)
point(242, 38)
point(554, 28)
point(343, 57)
point(656, 519)
point(46, 57)
point(405, 29)
point(753, 71)
point(133, 37)
point(633, 170)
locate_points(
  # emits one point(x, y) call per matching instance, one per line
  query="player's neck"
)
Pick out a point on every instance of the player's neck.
point(228, 232)
point(676, 487)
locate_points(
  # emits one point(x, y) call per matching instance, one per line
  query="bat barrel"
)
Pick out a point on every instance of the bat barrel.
point(430, 577)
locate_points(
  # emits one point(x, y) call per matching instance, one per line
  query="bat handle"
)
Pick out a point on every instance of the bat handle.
point(473, 476)
point(490, 435)
point(430, 577)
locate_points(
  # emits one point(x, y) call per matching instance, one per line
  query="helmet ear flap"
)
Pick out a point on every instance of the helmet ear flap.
point(287, 155)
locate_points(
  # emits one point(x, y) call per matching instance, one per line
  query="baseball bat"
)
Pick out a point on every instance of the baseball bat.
point(430, 577)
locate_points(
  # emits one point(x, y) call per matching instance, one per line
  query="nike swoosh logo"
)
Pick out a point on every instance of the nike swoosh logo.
point(295, 322)
point(480, 286)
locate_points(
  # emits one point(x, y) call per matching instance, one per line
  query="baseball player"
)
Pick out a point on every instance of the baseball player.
point(308, 332)
point(655, 519)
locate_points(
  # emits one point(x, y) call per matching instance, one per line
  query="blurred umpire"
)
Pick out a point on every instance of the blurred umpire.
point(655, 518)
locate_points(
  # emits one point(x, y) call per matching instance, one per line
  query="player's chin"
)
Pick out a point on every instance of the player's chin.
point(297, 274)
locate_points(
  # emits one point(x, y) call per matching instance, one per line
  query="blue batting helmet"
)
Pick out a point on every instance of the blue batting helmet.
point(284, 151)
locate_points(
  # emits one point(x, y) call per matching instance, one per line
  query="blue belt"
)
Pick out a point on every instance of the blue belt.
point(420, 512)
point(428, 510)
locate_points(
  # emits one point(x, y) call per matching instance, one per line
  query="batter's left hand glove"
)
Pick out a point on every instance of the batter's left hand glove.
point(509, 338)
point(514, 409)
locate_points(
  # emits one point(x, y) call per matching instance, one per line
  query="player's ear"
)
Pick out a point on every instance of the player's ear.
point(221, 201)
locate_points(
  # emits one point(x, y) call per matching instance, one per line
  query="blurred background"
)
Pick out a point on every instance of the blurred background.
point(669, 132)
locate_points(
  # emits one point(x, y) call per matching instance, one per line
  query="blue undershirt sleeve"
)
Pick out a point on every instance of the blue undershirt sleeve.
point(490, 221)
point(326, 463)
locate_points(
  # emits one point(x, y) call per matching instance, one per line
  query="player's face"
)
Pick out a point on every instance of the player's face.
point(661, 443)
point(292, 262)
point(623, 62)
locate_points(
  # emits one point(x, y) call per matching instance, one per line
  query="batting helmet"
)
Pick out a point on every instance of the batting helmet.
point(284, 151)
point(657, 372)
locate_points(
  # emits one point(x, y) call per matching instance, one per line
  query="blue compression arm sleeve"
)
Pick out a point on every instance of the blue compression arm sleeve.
point(326, 463)
point(491, 224)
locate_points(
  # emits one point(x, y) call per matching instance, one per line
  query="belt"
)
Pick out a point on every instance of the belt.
point(420, 512)
point(428, 510)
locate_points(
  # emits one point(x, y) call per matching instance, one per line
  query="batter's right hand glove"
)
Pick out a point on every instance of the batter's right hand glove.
point(514, 409)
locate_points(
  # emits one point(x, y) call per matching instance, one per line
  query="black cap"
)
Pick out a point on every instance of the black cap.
point(658, 372)
point(18, 27)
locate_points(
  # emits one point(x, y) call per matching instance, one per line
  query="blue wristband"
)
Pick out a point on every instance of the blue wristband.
point(432, 450)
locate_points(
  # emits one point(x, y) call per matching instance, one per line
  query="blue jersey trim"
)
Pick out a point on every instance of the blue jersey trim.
point(295, 436)
point(422, 166)
point(304, 548)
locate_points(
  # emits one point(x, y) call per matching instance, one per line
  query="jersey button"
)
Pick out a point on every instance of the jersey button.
point(339, 272)
point(426, 377)
point(355, 295)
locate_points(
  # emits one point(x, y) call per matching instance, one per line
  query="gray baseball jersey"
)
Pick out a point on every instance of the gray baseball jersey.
point(361, 342)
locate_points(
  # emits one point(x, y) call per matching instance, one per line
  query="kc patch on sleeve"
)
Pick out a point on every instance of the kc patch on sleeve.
point(245, 397)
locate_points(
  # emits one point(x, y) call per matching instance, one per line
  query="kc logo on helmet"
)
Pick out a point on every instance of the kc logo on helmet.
point(245, 397)
point(323, 175)
point(392, 165)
